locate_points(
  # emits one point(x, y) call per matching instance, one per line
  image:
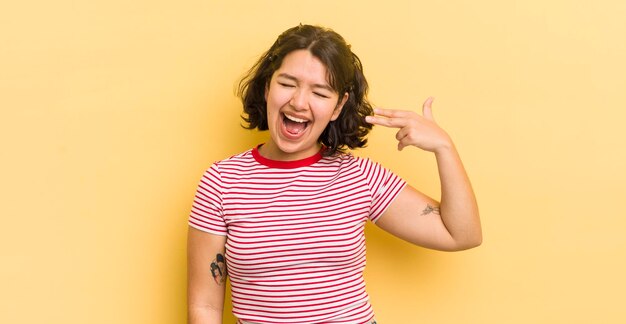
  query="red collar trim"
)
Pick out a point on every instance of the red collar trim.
point(286, 164)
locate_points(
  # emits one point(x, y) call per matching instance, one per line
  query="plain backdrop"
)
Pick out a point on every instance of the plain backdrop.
point(110, 111)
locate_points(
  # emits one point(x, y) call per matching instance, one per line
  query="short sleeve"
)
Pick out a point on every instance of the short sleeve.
point(207, 212)
point(383, 184)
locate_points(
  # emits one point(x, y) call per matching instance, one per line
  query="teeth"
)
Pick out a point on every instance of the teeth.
point(297, 120)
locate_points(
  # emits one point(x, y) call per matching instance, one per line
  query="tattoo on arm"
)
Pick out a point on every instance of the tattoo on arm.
point(430, 209)
point(218, 269)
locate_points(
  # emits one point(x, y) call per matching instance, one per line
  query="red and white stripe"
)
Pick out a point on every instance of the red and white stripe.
point(295, 247)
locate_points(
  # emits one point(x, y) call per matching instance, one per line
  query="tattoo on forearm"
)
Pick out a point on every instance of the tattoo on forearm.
point(430, 209)
point(218, 269)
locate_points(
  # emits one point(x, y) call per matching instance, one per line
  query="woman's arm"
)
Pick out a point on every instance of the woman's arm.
point(206, 277)
point(454, 223)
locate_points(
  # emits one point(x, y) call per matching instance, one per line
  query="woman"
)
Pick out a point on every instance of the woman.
point(285, 220)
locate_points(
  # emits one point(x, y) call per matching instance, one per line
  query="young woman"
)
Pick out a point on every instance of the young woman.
point(285, 219)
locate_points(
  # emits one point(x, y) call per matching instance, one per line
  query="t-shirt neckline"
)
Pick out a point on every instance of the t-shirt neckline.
point(286, 164)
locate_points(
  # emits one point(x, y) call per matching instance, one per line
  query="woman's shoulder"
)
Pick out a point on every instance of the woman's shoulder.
point(240, 160)
point(348, 159)
point(364, 164)
point(239, 157)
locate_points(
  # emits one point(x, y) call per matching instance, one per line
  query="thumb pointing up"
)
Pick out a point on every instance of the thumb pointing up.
point(427, 110)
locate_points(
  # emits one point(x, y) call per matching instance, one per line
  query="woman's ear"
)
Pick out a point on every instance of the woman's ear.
point(337, 110)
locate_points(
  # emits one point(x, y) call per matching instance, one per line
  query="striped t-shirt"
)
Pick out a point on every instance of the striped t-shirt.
point(295, 247)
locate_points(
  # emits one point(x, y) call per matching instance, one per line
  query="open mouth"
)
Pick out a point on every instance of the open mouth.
point(294, 125)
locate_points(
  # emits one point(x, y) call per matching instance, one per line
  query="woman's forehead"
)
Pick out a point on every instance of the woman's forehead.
point(303, 66)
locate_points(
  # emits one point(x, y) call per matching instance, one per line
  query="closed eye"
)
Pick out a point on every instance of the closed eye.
point(321, 95)
point(287, 85)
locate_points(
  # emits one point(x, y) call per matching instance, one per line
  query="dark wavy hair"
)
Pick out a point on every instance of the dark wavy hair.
point(345, 74)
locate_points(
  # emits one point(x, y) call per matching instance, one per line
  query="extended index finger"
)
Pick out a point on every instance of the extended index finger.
point(387, 122)
point(392, 113)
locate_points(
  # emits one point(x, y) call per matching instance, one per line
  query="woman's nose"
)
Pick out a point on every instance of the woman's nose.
point(298, 100)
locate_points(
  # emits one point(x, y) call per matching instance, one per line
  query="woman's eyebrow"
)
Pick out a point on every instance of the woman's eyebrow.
point(288, 76)
point(316, 85)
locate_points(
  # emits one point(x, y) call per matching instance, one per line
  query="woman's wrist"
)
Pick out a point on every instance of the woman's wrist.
point(445, 147)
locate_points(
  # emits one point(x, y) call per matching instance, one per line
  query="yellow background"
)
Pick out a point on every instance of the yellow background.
point(111, 111)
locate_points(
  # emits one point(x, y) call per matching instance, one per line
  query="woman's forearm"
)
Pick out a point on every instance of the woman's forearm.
point(204, 315)
point(458, 209)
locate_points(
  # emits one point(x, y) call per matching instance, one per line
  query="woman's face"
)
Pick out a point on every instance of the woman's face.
point(300, 104)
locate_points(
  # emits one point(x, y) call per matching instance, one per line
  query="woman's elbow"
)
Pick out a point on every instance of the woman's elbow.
point(475, 242)
point(468, 243)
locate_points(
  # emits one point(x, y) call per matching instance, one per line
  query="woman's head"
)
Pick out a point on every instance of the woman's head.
point(344, 75)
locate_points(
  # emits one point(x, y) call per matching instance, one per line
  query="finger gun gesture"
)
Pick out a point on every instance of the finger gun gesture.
point(413, 129)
